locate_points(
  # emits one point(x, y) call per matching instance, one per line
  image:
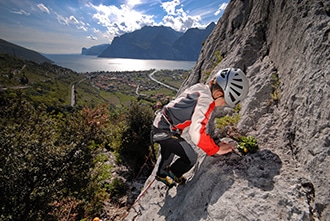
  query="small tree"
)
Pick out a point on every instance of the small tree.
point(136, 138)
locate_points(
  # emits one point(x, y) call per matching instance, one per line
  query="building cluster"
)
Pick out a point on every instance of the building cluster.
point(135, 83)
point(122, 81)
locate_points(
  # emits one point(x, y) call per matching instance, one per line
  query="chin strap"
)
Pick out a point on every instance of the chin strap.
point(218, 97)
point(211, 87)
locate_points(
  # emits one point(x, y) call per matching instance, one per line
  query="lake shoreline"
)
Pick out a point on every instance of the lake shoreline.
point(84, 64)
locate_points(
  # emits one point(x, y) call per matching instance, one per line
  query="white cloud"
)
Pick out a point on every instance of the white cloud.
point(43, 8)
point(169, 7)
point(62, 20)
point(126, 18)
point(81, 27)
point(91, 37)
point(221, 8)
point(178, 19)
point(21, 12)
point(181, 24)
point(119, 20)
point(73, 19)
point(132, 3)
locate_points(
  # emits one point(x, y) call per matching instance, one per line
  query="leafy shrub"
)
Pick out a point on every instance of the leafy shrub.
point(136, 137)
point(46, 159)
point(247, 144)
point(116, 188)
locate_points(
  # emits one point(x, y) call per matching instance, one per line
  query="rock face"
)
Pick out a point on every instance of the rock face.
point(95, 50)
point(284, 48)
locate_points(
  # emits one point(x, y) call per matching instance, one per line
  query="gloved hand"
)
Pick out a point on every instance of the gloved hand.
point(225, 148)
point(228, 145)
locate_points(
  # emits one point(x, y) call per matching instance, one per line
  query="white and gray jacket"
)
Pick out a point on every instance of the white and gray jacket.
point(192, 109)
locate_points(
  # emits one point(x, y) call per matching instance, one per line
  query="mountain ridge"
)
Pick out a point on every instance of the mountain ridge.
point(158, 42)
point(21, 52)
point(94, 50)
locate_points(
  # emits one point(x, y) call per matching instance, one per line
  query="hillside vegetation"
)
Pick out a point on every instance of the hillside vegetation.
point(45, 83)
point(20, 52)
point(63, 162)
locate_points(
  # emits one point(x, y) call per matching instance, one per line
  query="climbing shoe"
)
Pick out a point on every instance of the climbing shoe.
point(179, 180)
point(166, 180)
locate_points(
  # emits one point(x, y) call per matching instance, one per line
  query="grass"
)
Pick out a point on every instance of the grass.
point(227, 120)
point(50, 92)
point(125, 99)
point(161, 90)
point(276, 94)
point(173, 78)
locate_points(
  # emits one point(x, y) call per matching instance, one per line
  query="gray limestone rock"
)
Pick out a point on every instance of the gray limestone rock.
point(282, 46)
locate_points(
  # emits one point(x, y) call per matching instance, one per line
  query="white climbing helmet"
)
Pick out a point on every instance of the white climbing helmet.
point(234, 84)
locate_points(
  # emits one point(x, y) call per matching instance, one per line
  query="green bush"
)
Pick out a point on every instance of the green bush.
point(46, 161)
point(247, 144)
point(51, 162)
point(117, 188)
point(136, 138)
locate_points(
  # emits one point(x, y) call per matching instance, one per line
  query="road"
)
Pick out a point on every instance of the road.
point(157, 81)
point(73, 96)
point(13, 87)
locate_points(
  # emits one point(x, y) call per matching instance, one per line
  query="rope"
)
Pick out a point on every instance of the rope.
point(143, 192)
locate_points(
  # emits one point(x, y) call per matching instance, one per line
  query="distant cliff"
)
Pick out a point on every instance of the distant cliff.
point(95, 50)
point(284, 48)
point(190, 43)
point(20, 52)
point(159, 43)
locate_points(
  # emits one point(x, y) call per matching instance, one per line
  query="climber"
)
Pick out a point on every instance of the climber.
point(192, 110)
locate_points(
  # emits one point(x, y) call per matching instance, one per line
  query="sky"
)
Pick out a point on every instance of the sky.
point(65, 26)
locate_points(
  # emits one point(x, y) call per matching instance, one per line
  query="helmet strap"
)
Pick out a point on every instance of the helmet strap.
point(218, 97)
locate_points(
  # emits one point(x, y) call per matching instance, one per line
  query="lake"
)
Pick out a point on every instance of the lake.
point(83, 63)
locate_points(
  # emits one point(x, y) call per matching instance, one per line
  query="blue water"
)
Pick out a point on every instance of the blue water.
point(83, 63)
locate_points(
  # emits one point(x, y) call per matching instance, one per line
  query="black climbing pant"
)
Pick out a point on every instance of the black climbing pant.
point(172, 146)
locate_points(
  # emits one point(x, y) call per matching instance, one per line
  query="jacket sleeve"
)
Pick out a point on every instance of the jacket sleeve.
point(198, 130)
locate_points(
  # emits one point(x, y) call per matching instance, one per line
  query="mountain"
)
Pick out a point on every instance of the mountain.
point(284, 49)
point(190, 43)
point(95, 50)
point(158, 42)
point(146, 43)
point(20, 52)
